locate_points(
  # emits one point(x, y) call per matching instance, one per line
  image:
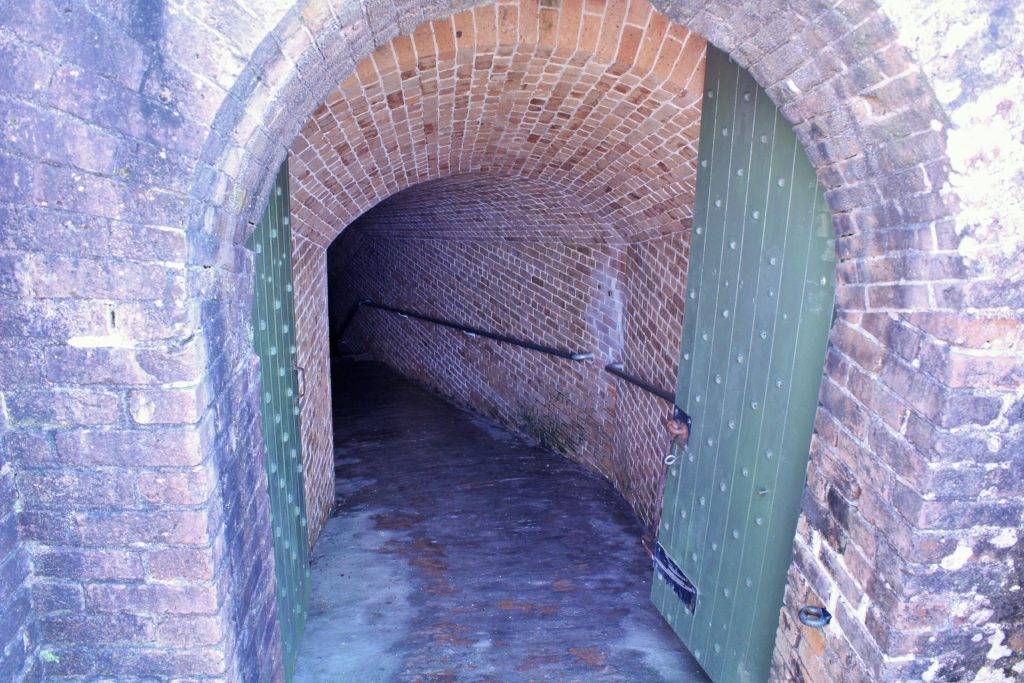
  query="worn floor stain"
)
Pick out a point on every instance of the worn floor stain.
point(458, 553)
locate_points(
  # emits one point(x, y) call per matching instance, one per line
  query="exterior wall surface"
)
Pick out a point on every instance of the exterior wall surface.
point(129, 389)
point(18, 633)
point(139, 141)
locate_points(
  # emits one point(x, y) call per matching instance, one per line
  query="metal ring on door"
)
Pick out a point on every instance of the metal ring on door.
point(814, 616)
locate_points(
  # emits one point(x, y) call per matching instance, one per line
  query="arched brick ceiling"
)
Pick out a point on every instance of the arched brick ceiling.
point(484, 206)
point(601, 99)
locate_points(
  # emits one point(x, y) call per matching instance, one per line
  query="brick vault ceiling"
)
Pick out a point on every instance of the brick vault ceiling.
point(594, 101)
point(484, 206)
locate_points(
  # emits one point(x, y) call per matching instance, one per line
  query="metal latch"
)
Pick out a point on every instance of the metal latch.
point(674, 577)
point(678, 426)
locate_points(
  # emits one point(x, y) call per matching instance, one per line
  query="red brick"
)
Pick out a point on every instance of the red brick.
point(156, 599)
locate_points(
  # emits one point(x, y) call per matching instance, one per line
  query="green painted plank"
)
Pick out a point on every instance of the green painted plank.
point(760, 288)
point(274, 343)
point(687, 518)
point(745, 383)
point(748, 635)
point(707, 339)
point(727, 371)
point(679, 490)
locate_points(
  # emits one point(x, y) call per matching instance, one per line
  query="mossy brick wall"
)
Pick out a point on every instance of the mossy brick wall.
point(139, 142)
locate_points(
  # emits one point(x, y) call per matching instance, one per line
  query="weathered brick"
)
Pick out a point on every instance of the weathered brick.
point(150, 447)
point(73, 190)
point(119, 366)
point(114, 529)
point(50, 527)
point(147, 321)
point(56, 596)
point(56, 138)
point(184, 563)
point(63, 488)
point(66, 408)
point(156, 599)
point(177, 487)
point(20, 367)
point(167, 406)
point(54, 321)
point(30, 447)
point(14, 570)
point(95, 629)
point(144, 662)
point(114, 106)
point(88, 565)
point(53, 277)
point(187, 631)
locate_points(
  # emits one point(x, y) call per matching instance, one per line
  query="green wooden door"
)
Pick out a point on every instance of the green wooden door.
point(759, 301)
point(273, 319)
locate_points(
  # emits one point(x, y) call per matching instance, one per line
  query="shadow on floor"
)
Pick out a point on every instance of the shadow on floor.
point(458, 553)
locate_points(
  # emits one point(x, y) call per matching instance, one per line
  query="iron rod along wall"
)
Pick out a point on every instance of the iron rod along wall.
point(467, 329)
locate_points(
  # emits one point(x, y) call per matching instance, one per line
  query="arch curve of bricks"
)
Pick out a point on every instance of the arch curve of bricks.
point(142, 143)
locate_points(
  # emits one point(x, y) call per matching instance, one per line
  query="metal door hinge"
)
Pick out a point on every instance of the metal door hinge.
point(674, 577)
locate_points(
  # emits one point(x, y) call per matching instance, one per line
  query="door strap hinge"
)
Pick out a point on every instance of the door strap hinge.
point(674, 577)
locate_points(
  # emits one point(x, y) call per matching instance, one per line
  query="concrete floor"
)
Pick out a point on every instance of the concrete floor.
point(458, 553)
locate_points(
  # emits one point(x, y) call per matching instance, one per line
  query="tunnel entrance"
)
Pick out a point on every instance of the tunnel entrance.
point(137, 536)
point(532, 297)
point(511, 299)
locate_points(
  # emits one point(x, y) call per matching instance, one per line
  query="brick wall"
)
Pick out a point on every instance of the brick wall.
point(140, 141)
point(309, 278)
point(520, 258)
point(18, 629)
point(126, 374)
point(652, 326)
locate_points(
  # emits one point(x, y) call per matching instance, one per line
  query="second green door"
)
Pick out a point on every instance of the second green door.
point(759, 301)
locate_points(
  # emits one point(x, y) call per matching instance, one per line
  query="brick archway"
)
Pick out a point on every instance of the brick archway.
point(874, 130)
point(596, 113)
point(604, 105)
point(129, 418)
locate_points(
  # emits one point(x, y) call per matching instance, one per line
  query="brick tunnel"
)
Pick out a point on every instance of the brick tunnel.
point(506, 254)
point(527, 340)
point(530, 187)
point(546, 191)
